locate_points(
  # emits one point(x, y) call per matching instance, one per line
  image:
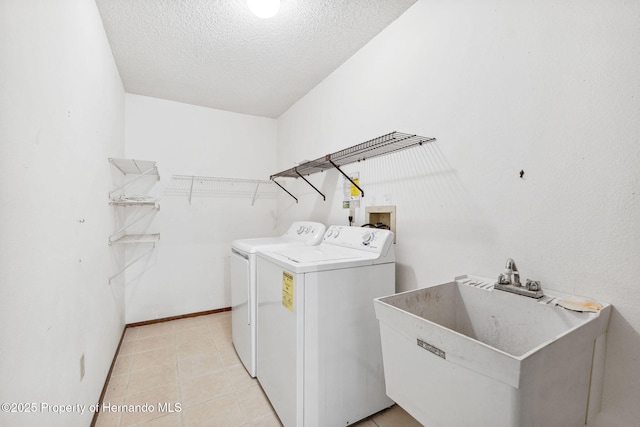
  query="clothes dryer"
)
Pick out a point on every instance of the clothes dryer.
point(320, 357)
point(243, 283)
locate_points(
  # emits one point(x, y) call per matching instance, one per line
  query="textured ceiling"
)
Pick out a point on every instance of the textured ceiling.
point(215, 53)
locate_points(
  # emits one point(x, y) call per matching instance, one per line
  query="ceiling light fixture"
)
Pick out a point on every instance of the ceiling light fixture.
point(264, 8)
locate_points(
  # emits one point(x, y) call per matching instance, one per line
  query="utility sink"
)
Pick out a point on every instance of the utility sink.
point(464, 354)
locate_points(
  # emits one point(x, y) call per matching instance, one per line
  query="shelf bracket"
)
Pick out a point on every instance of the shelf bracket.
point(113, 237)
point(312, 186)
point(346, 176)
point(191, 189)
point(130, 263)
point(284, 189)
point(255, 194)
point(143, 174)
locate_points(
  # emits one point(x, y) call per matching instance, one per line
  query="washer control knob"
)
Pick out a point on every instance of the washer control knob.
point(336, 234)
point(366, 238)
point(329, 232)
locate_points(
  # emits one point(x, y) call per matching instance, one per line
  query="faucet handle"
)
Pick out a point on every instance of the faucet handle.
point(533, 285)
point(505, 277)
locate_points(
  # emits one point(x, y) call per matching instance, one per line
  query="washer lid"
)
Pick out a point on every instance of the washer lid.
point(322, 253)
point(299, 233)
point(321, 258)
point(251, 246)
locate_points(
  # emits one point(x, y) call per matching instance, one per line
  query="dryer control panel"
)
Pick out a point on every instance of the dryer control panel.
point(368, 239)
point(305, 231)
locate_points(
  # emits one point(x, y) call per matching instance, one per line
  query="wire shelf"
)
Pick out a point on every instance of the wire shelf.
point(147, 205)
point(123, 200)
point(135, 167)
point(385, 144)
point(141, 168)
point(138, 239)
point(208, 186)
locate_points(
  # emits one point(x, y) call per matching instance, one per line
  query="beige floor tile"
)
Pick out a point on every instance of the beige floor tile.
point(199, 365)
point(188, 323)
point(128, 347)
point(254, 403)
point(395, 416)
point(188, 361)
point(230, 358)
point(185, 336)
point(196, 347)
point(109, 419)
point(154, 342)
point(206, 387)
point(223, 318)
point(122, 365)
point(221, 412)
point(156, 376)
point(145, 405)
point(224, 345)
point(149, 359)
point(221, 332)
point(130, 334)
point(220, 321)
point(368, 422)
point(240, 378)
point(270, 420)
point(111, 406)
point(117, 388)
point(155, 329)
point(171, 420)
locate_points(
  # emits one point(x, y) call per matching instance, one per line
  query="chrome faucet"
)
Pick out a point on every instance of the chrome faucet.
point(510, 270)
point(509, 280)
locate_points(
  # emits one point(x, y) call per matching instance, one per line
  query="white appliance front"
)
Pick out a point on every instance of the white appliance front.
point(243, 283)
point(320, 358)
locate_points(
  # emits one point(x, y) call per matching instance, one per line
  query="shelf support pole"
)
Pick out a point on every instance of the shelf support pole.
point(312, 186)
point(284, 189)
point(191, 188)
point(255, 194)
point(346, 176)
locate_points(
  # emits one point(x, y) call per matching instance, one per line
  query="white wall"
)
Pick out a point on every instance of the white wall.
point(61, 117)
point(548, 87)
point(189, 270)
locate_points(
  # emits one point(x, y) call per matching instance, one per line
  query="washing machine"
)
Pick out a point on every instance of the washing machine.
point(243, 283)
point(320, 357)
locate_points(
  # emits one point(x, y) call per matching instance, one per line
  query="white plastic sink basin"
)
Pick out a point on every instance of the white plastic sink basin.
point(464, 354)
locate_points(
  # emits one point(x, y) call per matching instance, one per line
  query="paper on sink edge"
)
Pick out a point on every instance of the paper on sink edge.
point(580, 304)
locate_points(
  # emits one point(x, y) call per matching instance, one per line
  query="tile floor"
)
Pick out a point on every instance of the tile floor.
point(190, 366)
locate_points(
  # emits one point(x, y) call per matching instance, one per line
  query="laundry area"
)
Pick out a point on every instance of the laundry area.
point(364, 213)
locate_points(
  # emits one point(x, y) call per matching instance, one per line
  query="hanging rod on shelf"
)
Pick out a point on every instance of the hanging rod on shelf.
point(385, 144)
